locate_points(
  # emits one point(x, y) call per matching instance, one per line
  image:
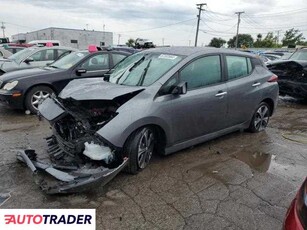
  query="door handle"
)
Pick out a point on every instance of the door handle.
point(256, 84)
point(220, 94)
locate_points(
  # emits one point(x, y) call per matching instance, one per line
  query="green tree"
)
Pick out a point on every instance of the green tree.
point(258, 42)
point(130, 42)
point(269, 41)
point(292, 37)
point(244, 40)
point(217, 42)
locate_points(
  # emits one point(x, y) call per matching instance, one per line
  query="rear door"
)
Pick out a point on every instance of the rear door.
point(243, 87)
point(202, 110)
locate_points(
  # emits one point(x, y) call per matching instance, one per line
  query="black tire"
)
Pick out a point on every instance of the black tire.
point(30, 100)
point(260, 118)
point(132, 149)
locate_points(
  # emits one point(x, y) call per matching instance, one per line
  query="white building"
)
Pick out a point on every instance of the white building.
point(79, 39)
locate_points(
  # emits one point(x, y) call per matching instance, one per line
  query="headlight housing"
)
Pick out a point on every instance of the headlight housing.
point(10, 85)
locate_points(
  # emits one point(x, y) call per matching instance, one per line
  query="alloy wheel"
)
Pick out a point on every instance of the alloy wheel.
point(38, 97)
point(262, 118)
point(145, 148)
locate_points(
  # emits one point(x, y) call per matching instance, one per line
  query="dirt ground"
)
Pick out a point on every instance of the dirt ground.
point(239, 181)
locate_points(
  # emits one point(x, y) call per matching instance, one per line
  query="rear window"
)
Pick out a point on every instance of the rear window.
point(238, 67)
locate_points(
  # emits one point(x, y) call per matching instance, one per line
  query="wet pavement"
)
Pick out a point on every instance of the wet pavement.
point(239, 181)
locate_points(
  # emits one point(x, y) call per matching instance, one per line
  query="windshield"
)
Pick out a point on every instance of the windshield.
point(143, 69)
point(69, 60)
point(21, 55)
point(299, 55)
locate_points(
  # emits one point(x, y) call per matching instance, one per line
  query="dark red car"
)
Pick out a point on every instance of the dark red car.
point(296, 217)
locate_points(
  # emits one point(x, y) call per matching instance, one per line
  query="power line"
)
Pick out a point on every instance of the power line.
point(279, 13)
point(153, 28)
point(224, 31)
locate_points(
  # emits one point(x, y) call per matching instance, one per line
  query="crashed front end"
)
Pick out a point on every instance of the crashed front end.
point(292, 77)
point(79, 157)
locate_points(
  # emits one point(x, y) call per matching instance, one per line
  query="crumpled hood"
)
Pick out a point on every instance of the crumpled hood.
point(277, 62)
point(25, 73)
point(95, 89)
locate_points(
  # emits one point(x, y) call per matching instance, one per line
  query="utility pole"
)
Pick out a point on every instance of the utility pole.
point(162, 41)
point(239, 20)
point(3, 29)
point(86, 26)
point(199, 7)
point(118, 39)
point(278, 36)
point(189, 42)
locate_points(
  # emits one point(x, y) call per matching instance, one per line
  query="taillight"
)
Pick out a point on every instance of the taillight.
point(273, 78)
point(301, 205)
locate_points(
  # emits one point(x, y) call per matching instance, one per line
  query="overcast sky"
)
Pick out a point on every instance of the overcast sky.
point(172, 21)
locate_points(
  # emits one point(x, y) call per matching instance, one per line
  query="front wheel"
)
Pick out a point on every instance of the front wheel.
point(36, 96)
point(260, 118)
point(139, 149)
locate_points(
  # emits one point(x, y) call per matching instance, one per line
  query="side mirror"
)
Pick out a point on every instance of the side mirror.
point(180, 88)
point(106, 76)
point(79, 72)
point(28, 60)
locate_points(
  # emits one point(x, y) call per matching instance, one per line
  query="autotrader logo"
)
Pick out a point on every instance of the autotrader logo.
point(46, 219)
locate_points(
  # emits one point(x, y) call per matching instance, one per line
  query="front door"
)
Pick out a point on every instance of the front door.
point(95, 66)
point(202, 110)
point(39, 59)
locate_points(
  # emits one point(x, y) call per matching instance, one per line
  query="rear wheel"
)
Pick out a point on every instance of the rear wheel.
point(139, 149)
point(36, 96)
point(260, 118)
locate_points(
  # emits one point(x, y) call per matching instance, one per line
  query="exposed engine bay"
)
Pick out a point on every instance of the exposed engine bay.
point(79, 157)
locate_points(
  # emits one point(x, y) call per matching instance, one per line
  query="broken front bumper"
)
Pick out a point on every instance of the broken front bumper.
point(69, 180)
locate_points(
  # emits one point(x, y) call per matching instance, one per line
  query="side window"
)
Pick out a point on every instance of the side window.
point(63, 53)
point(97, 62)
point(49, 56)
point(117, 58)
point(238, 67)
point(202, 72)
point(169, 85)
point(43, 55)
point(38, 56)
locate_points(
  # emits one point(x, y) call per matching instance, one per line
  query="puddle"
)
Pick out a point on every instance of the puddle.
point(259, 161)
point(297, 136)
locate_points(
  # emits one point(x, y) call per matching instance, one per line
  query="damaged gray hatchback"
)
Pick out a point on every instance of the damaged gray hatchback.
point(156, 101)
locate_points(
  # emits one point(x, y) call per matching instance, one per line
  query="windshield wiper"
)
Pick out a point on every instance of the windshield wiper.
point(53, 66)
point(142, 78)
point(128, 70)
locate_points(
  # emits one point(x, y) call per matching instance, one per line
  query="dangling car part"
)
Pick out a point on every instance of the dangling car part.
point(160, 100)
point(70, 179)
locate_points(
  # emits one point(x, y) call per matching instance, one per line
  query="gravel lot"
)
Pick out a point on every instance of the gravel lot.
point(239, 181)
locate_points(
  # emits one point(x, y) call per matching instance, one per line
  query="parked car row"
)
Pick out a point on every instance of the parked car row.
point(29, 86)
